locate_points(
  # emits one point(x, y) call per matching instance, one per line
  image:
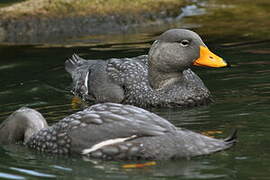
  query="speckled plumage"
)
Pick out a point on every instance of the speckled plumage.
point(132, 74)
point(160, 79)
point(129, 133)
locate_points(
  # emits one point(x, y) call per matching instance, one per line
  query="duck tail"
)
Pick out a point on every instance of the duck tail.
point(73, 62)
point(232, 139)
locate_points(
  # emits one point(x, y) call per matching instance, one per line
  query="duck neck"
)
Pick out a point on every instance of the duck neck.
point(160, 79)
point(21, 125)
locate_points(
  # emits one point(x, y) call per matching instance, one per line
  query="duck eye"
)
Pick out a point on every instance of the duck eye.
point(184, 43)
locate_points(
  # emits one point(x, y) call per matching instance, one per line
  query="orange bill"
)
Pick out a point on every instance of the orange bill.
point(209, 59)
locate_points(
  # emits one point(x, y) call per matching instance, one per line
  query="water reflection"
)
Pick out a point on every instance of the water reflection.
point(33, 164)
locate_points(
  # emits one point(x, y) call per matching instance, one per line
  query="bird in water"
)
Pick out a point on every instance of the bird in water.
point(109, 131)
point(162, 78)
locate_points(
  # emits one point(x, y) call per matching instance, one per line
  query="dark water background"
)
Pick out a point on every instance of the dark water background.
point(34, 76)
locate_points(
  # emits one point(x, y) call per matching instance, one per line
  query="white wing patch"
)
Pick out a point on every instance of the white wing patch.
point(86, 82)
point(106, 143)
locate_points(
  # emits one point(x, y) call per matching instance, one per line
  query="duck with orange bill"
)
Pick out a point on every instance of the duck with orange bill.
point(162, 78)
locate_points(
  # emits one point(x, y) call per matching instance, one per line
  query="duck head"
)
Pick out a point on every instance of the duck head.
point(176, 50)
point(21, 125)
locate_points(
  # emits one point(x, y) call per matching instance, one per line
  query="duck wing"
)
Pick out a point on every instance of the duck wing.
point(115, 123)
point(128, 72)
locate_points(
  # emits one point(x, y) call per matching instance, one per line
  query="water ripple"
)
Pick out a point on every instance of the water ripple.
point(10, 176)
point(32, 172)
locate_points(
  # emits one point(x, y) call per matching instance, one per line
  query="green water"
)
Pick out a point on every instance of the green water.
point(34, 76)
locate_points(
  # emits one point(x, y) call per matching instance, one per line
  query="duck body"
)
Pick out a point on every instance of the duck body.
point(161, 79)
point(126, 81)
point(113, 131)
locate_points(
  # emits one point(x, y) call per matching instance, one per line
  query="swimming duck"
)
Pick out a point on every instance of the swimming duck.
point(160, 79)
point(109, 131)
